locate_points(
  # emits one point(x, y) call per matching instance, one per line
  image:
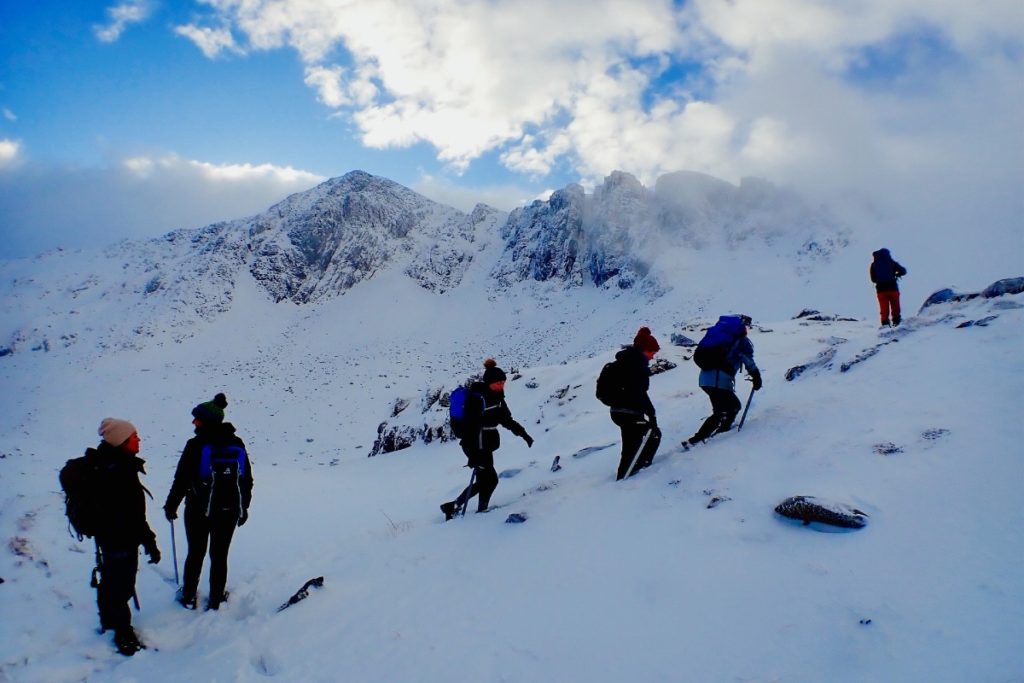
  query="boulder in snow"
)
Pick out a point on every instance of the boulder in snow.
point(808, 509)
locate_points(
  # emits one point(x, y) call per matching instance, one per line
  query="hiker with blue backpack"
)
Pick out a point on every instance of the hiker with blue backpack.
point(724, 349)
point(476, 413)
point(622, 386)
point(214, 477)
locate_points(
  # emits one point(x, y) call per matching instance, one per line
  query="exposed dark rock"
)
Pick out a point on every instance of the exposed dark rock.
point(584, 452)
point(808, 509)
point(887, 448)
point(824, 359)
point(864, 355)
point(390, 439)
point(660, 365)
point(400, 405)
point(982, 322)
point(681, 340)
point(817, 316)
point(1011, 285)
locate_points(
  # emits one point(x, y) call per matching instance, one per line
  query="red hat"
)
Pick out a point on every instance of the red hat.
point(644, 341)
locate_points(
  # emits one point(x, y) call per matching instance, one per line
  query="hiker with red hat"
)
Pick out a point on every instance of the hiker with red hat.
point(623, 386)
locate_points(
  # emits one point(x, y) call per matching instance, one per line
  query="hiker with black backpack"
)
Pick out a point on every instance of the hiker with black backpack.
point(484, 411)
point(106, 500)
point(884, 272)
point(622, 386)
point(214, 477)
point(725, 348)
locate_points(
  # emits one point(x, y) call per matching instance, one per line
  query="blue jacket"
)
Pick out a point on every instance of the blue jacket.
point(741, 355)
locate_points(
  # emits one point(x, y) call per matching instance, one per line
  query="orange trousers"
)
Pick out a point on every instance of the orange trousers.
point(889, 301)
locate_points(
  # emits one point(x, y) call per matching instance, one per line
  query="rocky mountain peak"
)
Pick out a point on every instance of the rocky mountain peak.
point(324, 241)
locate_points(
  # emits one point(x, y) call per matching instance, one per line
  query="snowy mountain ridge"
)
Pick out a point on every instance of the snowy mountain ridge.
point(318, 245)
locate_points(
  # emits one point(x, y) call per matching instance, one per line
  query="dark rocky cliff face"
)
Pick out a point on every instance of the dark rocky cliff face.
point(322, 242)
point(611, 237)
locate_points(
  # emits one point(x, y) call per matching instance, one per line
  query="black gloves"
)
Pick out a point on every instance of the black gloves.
point(152, 551)
point(755, 377)
point(529, 440)
point(170, 513)
point(244, 518)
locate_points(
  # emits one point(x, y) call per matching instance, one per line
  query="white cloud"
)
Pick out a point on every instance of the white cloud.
point(9, 152)
point(501, 197)
point(120, 17)
point(328, 82)
point(879, 96)
point(137, 197)
point(9, 115)
point(245, 173)
point(211, 41)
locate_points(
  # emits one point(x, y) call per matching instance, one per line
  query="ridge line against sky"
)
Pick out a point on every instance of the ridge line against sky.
point(134, 118)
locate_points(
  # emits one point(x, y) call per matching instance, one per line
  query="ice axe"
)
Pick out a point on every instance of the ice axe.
point(745, 409)
point(174, 554)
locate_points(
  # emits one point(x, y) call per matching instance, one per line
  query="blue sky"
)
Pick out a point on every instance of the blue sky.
point(133, 117)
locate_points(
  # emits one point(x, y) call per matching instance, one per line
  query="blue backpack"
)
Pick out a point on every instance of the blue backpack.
point(221, 469)
point(457, 409)
point(714, 349)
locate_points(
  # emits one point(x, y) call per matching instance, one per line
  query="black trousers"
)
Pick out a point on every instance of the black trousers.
point(725, 405)
point(202, 531)
point(485, 479)
point(634, 428)
point(118, 568)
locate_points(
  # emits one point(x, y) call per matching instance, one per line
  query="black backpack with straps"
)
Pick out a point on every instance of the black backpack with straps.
point(610, 384)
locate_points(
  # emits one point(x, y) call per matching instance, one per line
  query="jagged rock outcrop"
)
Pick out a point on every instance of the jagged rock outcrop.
point(1011, 285)
point(612, 237)
point(322, 242)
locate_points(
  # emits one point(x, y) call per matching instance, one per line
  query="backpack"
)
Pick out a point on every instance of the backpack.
point(79, 481)
point(713, 351)
point(610, 385)
point(457, 410)
point(221, 468)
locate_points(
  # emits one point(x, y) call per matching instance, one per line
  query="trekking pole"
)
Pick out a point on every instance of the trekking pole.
point(469, 493)
point(745, 409)
point(174, 554)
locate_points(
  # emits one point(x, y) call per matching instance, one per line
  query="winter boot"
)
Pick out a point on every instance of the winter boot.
point(896, 320)
point(885, 322)
point(215, 601)
point(127, 641)
point(449, 509)
point(188, 602)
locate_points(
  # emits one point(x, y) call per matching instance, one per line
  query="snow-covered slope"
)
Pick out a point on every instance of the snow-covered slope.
point(639, 580)
point(681, 573)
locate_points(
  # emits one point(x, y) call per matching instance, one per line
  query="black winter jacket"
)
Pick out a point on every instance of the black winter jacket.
point(122, 510)
point(637, 377)
point(884, 271)
point(483, 417)
point(187, 483)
